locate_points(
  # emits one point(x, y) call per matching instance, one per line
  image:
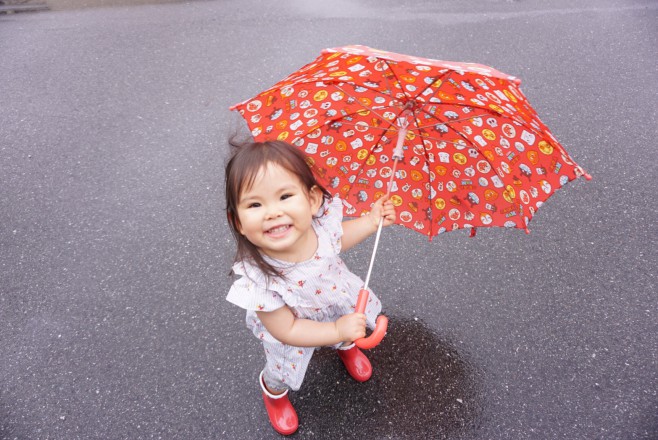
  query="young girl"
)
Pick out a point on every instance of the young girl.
point(298, 294)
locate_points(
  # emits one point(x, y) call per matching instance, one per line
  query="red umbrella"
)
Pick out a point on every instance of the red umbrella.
point(457, 145)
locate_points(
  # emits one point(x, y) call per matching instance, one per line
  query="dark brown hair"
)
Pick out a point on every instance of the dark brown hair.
point(241, 171)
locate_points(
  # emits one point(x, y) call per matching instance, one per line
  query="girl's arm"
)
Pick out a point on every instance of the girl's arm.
point(286, 328)
point(357, 230)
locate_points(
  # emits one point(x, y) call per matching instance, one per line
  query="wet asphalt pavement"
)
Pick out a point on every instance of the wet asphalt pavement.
point(115, 250)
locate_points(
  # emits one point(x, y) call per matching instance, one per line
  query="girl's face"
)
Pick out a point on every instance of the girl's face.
point(276, 212)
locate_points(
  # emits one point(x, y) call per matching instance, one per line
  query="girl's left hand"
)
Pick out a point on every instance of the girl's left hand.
point(383, 207)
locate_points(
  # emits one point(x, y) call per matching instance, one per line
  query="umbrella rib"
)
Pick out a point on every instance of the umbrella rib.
point(384, 131)
point(371, 109)
point(441, 78)
point(335, 83)
point(365, 159)
point(365, 86)
point(340, 119)
point(353, 124)
point(421, 130)
point(418, 129)
point(511, 117)
point(449, 122)
point(519, 207)
point(521, 122)
point(408, 96)
point(463, 136)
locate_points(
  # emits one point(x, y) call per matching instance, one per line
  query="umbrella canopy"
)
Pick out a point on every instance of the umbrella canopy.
point(471, 151)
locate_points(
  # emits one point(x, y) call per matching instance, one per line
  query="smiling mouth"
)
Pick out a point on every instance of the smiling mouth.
point(278, 230)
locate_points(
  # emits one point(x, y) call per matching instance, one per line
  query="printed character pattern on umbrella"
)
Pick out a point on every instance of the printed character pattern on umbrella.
point(475, 152)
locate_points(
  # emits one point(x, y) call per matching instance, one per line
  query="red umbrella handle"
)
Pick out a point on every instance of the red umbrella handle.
point(380, 326)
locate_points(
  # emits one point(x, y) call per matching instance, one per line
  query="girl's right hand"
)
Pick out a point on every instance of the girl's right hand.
point(351, 327)
point(385, 208)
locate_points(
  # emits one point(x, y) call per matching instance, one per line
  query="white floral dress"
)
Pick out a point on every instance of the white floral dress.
point(321, 288)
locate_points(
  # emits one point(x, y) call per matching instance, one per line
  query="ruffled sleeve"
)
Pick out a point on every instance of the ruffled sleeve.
point(330, 222)
point(250, 292)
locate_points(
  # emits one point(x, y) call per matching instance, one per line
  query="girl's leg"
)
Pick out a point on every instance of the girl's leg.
point(286, 365)
point(356, 363)
point(285, 369)
point(280, 411)
point(272, 391)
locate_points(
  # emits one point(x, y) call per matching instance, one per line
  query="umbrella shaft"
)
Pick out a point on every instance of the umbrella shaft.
point(374, 252)
point(379, 228)
point(397, 155)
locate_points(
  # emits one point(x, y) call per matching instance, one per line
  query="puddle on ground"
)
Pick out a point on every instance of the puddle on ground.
point(422, 387)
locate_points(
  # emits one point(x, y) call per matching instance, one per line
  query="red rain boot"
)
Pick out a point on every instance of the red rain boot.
point(283, 416)
point(356, 362)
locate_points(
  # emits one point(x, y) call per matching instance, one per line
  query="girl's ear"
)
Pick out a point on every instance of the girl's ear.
point(316, 198)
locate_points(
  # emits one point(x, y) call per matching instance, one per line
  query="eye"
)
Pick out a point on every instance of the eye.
point(253, 205)
point(286, 196)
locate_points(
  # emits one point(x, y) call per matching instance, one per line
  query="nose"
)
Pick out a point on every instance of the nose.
point(273, 212)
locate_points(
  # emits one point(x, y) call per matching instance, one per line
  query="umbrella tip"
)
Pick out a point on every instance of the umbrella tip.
point(473, 232)
point(587, 176)
point(527, 231)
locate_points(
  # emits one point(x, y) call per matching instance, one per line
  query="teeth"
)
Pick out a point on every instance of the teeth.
point(278, 229)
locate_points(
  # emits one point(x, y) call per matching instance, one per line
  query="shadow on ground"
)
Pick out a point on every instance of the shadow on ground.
point(423, 387)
